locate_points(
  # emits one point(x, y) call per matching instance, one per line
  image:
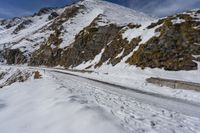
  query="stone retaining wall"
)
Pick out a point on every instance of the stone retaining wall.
point(175, 84)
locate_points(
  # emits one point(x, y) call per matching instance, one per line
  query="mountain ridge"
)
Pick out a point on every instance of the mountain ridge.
point(76, 34)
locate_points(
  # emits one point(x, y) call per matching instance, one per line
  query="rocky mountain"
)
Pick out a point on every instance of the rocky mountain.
point(93, 33)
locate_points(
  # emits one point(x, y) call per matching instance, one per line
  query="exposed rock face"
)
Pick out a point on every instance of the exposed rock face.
point(44, 11)
point(22, 26)
point(10, 22)
point(117, 49)
point(46, 56)
point(89, 43)
point(53, 15)
point(50, 49)
point(68, 13)
point(2, 74)
point(1, 57)
point(174, 48)
point(17, 76)
point(14, 56)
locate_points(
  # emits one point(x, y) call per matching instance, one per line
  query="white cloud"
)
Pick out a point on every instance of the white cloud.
point(162, 7)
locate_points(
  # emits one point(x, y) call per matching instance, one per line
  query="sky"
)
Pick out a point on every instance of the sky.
point(159, 8)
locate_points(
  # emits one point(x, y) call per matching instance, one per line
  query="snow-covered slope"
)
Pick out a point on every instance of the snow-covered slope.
point(106, 11)
point(24, 33)
point(60, 103)
point(106, 42)
point(34, 29)
point(114, 13)
point(96, 35)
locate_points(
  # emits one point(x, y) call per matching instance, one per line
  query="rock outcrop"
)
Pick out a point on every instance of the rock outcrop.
point(14, 56)
point(177, 46)
point(174, 48)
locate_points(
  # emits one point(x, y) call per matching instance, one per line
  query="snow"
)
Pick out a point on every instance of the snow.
point(133, 77)
point(117, 14)
point(73, 26)
point(178, 21)
point(91, 63)
point(53, 46)
point(27, 39)
point(142, 32)
point(108, 12)
point(194, 14)
point(60, 103)
point(44, 106)
point(38, 23)
point(120, 54)
point(30, 38)
point(196, 56)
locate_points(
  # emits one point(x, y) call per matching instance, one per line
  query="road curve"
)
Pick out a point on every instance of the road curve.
point(170, 103)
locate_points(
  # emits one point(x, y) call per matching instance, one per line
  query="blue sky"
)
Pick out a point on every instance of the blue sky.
point(12, 8)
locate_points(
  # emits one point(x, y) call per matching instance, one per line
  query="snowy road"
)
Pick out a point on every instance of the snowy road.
point(136, 111)
point(169, 103)
point(64, 103)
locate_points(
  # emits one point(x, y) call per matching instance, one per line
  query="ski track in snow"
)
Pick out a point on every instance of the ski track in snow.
point(63, 103)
